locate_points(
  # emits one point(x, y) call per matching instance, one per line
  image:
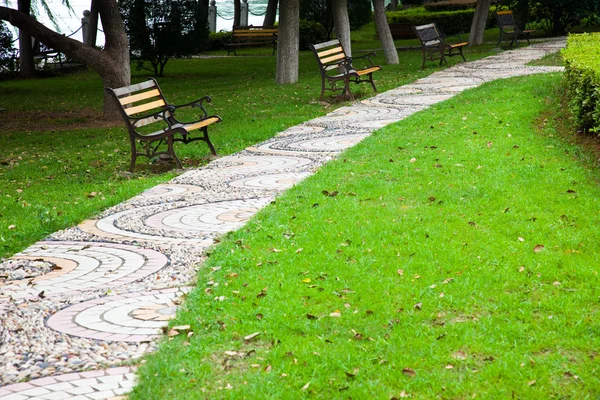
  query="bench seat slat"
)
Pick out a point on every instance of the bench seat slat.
point(366, 71)
point(198, 125)
point(459, 44)
point(140, 96)
point(145, 107)
point(134, 88)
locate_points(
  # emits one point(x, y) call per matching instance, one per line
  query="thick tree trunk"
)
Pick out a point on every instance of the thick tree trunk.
point(237, 10)
point(112, 63)
point(341, 23)
point(270, 13)
point(27, 65)
point(480, 17)
point(383, 31)
point(288, 42)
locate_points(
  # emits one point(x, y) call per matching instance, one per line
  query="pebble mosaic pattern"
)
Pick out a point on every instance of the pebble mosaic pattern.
point(132, 317)
point(126, 294)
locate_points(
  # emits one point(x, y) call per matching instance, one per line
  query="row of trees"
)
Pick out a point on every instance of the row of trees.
point(151, 25)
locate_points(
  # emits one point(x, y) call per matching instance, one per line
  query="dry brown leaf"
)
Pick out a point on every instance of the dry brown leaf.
point(531, 383)
point(412, 160)
point(409, 372)
point(538, 248)
point(172, 332)
point(459, 355)
point(556, 283)
point(259, 316)
point(449, 366)
point(310, 316)
point(182, 328)
point(305, 386)
point(335, 314)
point(418, 306)
point(251, 336)
point(268, 368)
point(400, 272)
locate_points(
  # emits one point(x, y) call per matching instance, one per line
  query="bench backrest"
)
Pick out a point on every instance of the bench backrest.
point(139, 103)
point(402, 31)
point(254, 33)
point(429, 35)
point(505, 19)
point(330, 55)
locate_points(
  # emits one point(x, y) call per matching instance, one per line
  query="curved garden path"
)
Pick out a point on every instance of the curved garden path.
point(101, 292)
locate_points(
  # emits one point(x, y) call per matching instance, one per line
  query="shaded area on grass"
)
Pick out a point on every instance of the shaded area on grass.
point(460, 250)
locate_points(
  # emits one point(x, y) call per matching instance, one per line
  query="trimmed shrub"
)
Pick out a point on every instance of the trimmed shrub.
point(450, 5)
point(450, 22)
point(582, 77)
point(8, 54)
point(311, 32)
point(218, 40)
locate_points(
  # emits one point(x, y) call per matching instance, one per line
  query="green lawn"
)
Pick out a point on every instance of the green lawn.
point(458, 260)
point(59, 165)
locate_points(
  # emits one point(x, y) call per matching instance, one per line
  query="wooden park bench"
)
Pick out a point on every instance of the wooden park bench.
point(402, 31)
point(252, 36)
point(336, 66)
point(144, 104)
point(508, 26)
point(433, 46)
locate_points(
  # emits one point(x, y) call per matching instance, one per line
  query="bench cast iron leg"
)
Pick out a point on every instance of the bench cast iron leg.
point(133, 154)
point(322, 98)
point(207, 140)
point(172, 152)
point(372, 82)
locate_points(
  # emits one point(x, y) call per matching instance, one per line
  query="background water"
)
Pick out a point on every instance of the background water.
point(69, 22)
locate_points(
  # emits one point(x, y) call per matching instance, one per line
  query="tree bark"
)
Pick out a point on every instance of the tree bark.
point(383, 31)
point(270, 13)
point(288, 42)
point(480, 17)
point(27, 64)
point(237, 11)
point(93, 24)
point(112, 63)
point(341, 23)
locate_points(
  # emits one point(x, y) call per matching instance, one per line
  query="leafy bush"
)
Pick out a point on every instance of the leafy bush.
point(7, 51)
point(311, 32)
point(359, 13)
point(582, 77)
point(450, 5)
point(219, 40)
point(450, 22)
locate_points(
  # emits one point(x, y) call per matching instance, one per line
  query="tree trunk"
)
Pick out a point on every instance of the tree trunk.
point(480, 17)
point(112, 63)
point(93, 24)
point(27, 65)
point(341, 23)
point(288, 42)
point(383, 30)
point(237, 11)
point(271, 13)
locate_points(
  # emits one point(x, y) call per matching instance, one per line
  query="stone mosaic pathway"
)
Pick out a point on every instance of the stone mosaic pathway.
point(97, 295)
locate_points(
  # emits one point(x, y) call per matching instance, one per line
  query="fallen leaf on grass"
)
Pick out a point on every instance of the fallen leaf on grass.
point(335, 314)
point(459, 355)
point(538, 248)
point(409, 372)
point(449, 366)
point(400, 272)
point(521, 239)
point(262, 293)
point(305, 386)
point(310, 316)
point(531, 383)
point(251, 336)
point(412, 160)
point(418, 306)
point(259, 316)
point(12, 226)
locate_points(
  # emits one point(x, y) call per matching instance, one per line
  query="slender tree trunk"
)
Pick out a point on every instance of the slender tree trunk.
point(383, 31)
point(93, 24)
point(27, 65)
point(271, 13)
point(341, 23)
point(288, 42)
point(480, 17)
point(237, 11)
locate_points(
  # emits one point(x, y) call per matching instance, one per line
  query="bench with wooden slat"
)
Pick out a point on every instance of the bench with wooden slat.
point(252, 36)
point(508, 26)
point(336, 67)
point(144, 104)
point(433, 46)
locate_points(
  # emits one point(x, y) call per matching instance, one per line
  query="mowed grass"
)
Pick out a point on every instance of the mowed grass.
point(451, 255)
point(60, 165)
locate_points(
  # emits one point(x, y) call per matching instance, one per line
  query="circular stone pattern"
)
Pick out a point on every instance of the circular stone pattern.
point(131, 317)
point(100, 385)
point(84, 266)
point(169, 189)
point(271, 182)
point(301, 130)
point(321, 144)
point(252, 164)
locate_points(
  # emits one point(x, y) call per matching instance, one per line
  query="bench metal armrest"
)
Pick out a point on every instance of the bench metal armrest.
point(162, 114)
point(366, 56)
point(196, 103)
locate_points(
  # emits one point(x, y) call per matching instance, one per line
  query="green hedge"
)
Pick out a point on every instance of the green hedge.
point(450, 22)
point(582, 77)
point(450, 5)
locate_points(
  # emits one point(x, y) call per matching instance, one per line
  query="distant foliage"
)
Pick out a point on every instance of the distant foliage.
point(311, 32)
point(219, 40)
point(163, 29)
point(359, 13)
point(582, 77)
point(556, 16)
point(450, 5)
point(449, 22)
point(8, 64)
